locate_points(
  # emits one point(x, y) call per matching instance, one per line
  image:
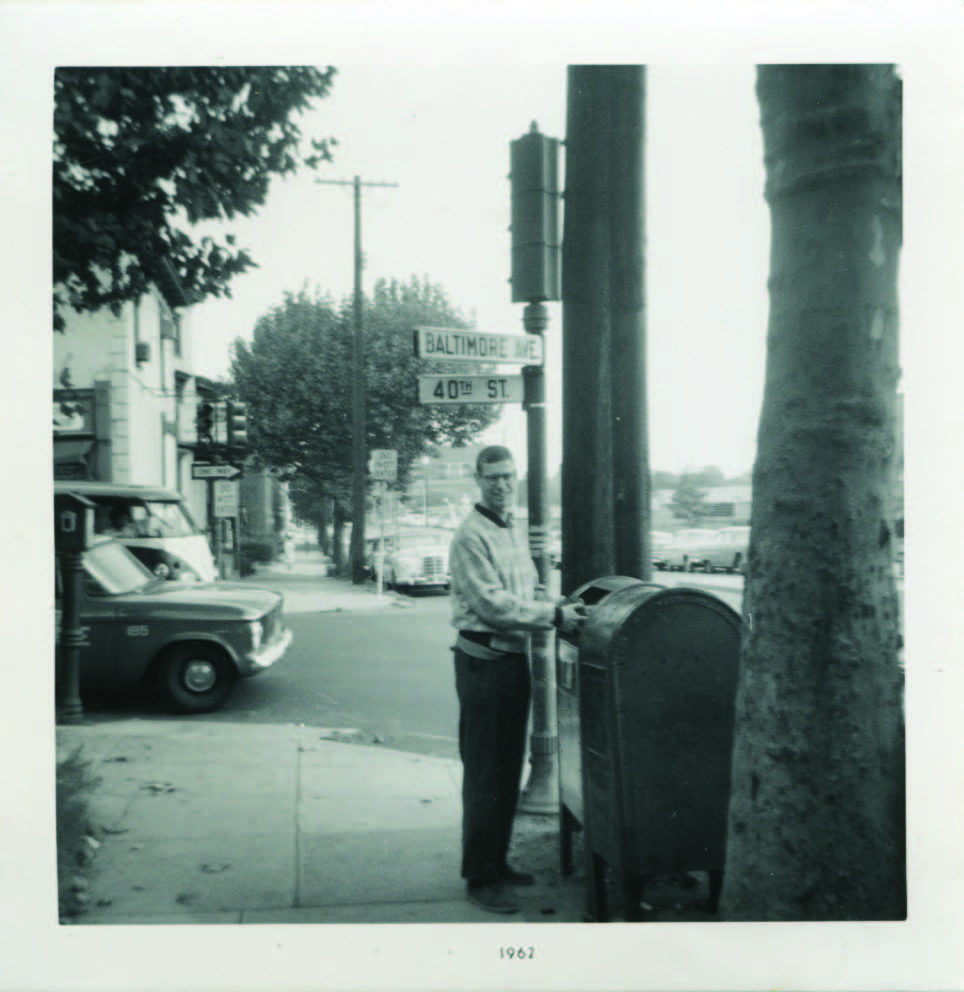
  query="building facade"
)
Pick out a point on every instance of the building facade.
point(125, 399)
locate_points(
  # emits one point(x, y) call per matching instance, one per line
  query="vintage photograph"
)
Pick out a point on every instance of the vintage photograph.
point(271, 495)
point(476, 495)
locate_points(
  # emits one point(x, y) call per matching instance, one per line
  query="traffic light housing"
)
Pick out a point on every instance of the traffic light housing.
point(204, 421)
point(536, 243)
point(237, 425)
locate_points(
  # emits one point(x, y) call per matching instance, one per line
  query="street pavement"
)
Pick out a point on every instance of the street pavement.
point(208, 822)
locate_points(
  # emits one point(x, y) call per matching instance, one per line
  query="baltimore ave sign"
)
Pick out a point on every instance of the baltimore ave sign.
point(473, 346)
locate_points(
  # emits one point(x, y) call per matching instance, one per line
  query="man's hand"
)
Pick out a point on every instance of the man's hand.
point(573, 616)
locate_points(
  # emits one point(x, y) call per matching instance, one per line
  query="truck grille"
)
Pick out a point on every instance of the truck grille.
point(433, 569)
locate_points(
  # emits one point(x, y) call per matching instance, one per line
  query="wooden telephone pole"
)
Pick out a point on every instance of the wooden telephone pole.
point(359, 393)
point(605, 463)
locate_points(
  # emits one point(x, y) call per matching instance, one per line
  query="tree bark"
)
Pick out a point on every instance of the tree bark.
point(339, 556)
point(816, 819)
point(324, 519)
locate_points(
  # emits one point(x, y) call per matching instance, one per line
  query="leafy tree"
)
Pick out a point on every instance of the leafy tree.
point(296, 377)
point(664, 480)
point(709, 476)
point(688, 502)
point(816, 818)
point(143, 154)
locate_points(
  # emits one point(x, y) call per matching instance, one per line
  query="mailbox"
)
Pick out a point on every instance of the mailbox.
point(567, 710)
point(645, 769)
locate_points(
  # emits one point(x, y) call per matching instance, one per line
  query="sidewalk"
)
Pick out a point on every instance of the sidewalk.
point(211, 822)
point(227, 823)
point(308, 588)
point(203, 822)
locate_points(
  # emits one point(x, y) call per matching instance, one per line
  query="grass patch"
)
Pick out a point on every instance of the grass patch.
point(75, 783)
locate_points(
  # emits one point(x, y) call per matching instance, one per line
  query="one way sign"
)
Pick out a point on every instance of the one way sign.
point(208, 470)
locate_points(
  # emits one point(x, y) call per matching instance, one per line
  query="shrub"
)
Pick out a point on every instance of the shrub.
point(75, 783)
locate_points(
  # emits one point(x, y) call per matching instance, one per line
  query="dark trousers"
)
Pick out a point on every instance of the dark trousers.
point(494, 710)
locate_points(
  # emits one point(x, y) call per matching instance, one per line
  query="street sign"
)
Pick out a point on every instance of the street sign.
point(208, 470)
point(453, 344)
point(470, 389)
point(384, 465)
point(225, 498)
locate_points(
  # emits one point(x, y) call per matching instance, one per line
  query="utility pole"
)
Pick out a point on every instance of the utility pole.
point(631, 484)
point(359, 394)
point(605, 464)
point(535, 278)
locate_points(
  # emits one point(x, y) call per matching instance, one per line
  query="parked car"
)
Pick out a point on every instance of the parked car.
point(660, 541)
point(725, 550)
point(192, 641)
point(677, 554)
point(153, 523)
point(413, 559)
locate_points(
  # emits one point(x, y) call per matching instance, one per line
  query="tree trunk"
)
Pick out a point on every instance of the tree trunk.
point(324, 519)
point(338, 542)
point(816, 819)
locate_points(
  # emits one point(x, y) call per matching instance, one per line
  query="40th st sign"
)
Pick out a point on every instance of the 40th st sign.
point(473, 346)
point(470, 389)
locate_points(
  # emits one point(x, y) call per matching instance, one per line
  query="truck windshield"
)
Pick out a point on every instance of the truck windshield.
point(116, 569)
point(145, 518)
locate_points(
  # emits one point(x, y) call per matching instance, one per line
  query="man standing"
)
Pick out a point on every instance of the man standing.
point(494, 605)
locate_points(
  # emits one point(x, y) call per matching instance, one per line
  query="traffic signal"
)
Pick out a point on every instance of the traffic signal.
point(205, 422)
point(220, 434)
point(536, 244)
point(237, 425)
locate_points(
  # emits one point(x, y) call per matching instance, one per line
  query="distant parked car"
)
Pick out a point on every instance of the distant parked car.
point(678, 553)
point(726, 550)
point(413, 559)
point(660, 541)
point(190, 641)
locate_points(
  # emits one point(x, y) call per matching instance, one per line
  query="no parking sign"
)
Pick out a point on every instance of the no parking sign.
point(384, 465)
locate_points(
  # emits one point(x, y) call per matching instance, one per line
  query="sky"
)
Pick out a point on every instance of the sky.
point(442, 133)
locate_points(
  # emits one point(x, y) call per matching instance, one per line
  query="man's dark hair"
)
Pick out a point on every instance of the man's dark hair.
point(493, 453)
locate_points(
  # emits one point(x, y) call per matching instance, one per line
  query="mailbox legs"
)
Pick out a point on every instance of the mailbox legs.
point(567, 824)
point(716, 888)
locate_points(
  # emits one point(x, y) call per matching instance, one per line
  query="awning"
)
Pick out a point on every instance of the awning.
point(71, 449)
point(70, 457)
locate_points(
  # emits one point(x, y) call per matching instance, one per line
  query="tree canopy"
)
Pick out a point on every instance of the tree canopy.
point(689, 500)
point(296, 378)
point(141, 155)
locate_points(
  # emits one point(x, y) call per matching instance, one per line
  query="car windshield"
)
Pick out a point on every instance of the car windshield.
point(408, 541)
point(145, 518)
point(116, 569)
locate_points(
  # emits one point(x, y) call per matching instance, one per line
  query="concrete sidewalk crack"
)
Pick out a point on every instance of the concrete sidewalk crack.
point(297, 897)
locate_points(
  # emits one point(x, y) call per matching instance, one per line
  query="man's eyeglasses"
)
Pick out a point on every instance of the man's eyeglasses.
point(493, 479)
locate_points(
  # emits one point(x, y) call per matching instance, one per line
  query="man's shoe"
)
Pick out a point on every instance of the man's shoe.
point(492, 897)
point(512, 877)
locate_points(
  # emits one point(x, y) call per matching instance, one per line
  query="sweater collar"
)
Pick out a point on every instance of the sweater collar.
point(493, 516)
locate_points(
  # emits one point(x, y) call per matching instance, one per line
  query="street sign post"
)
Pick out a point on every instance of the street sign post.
point(208, 470)
point(384, 465)
point(453, 344)
point(470, 389)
